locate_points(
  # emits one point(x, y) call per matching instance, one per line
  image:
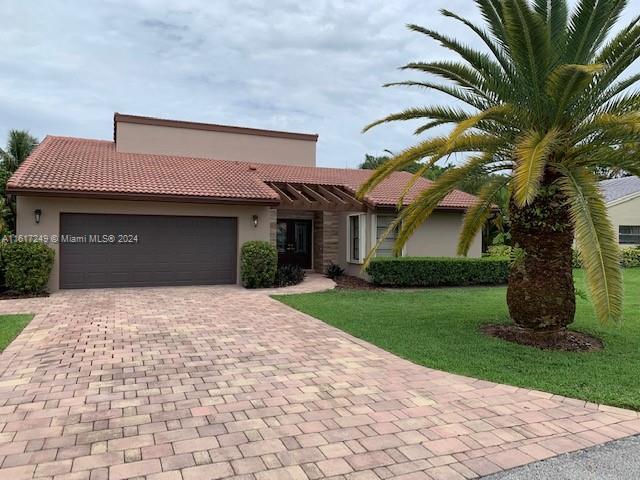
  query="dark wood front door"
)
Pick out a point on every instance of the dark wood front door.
point(294, 242)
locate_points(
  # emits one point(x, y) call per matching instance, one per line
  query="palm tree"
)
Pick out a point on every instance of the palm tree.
point(20, 144)
point(545, 103)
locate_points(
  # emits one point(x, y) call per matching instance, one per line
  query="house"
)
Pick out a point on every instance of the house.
point(622, 196)
point(171, 202)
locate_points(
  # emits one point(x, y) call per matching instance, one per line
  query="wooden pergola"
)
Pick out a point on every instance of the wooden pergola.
point(315, 197)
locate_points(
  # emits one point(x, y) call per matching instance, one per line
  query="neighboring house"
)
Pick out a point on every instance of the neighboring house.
point(623, 205)
point(180, 199)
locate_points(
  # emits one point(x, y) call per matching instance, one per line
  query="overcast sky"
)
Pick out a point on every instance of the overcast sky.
point(313, 66)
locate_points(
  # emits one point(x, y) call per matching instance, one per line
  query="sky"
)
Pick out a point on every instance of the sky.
point(314, 66)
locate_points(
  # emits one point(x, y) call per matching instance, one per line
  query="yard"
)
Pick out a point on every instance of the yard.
point(10, 327)
point(439, 328)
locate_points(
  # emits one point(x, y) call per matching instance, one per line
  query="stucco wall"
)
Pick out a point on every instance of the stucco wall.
point(52, 207)
point(437, 237)
point(137, 138)
point(626, 213)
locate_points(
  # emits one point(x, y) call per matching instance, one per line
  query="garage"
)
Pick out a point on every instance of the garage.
point(104, 251)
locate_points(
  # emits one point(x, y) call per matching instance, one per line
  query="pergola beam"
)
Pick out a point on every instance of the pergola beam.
point(312, 197)
point(312, 193)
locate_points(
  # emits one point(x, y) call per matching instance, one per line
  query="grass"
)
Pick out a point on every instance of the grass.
point(439, 328)
point(10, 327)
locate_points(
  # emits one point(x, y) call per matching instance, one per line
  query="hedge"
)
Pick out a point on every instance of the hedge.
point(26, 266)
point(258, 263)
point(629, 258)
point(438, 271)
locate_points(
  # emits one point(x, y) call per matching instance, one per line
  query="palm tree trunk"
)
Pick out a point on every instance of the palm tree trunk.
point(541, 295)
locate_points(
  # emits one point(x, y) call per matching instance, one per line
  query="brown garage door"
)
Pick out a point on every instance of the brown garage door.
point(168, 250)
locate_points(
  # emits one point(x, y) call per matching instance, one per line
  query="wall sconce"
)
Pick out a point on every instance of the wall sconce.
point(255, 221)
point(37, 213)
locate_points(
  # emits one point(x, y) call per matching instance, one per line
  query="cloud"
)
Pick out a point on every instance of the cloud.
point(314, 66)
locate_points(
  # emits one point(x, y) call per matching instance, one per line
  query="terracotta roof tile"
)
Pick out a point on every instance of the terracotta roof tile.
point(74, 165)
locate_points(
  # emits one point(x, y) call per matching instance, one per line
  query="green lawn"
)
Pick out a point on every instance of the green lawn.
point(11, 326)
point(439, 328)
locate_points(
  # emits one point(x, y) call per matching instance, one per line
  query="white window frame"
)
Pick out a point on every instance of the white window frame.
point(362, 244)
point(374, 232)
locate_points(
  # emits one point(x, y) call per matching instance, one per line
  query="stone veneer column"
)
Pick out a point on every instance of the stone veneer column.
point(325, 240)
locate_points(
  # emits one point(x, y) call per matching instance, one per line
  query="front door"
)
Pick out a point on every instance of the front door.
point(294, 242)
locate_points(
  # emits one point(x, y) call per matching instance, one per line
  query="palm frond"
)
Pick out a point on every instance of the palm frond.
point(412, 216)
point(492, 13)
point(596, 243)
point(477, 215)
point(497, 113)
point(403, 159)
point(490, 71)
point(428, 126)
point(443, 114)
point(438, 147)
point(455, 72)
point(555, 14)
point(458, 93)
point(496, 50)
point(567, 81)
point(618, 88)
point(529, 42)
point(589, 24)
point(532, 153)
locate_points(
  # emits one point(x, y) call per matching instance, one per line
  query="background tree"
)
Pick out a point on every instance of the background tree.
point(545, 103)
point(20, 144)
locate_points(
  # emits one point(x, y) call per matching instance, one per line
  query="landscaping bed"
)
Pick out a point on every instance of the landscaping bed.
point(441, 328)
point(349, 282)
point(13, 295)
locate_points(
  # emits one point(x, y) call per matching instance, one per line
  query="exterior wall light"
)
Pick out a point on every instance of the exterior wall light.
point(255, 221)
point(37, 214)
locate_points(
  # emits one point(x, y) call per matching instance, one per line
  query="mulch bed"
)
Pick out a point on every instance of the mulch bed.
point(8, 295)
point(348, 282)
point(566, 341)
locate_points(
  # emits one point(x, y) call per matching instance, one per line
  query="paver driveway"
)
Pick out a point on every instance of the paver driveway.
point(206, 382)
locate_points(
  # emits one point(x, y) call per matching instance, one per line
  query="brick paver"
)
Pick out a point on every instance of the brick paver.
point(217, 382)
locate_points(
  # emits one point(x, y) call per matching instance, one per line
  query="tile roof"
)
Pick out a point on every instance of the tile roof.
point(65, 165)
point(618, 188)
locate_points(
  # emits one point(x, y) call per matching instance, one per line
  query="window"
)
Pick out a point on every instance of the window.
point(355, 236)
point(629, 234)
point(386, 247)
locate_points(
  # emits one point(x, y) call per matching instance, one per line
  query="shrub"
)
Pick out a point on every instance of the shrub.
point(334, 271)
point(503, 251)
point(27, 266)
point(258, 262)
point(287, 275)
point(630, 257)
point(436, 271)
point(576, 262)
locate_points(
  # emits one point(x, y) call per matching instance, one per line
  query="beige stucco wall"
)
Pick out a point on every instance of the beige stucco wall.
point(625, 213)
point(437, 237)
point(52, 207)
point(138, 138)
